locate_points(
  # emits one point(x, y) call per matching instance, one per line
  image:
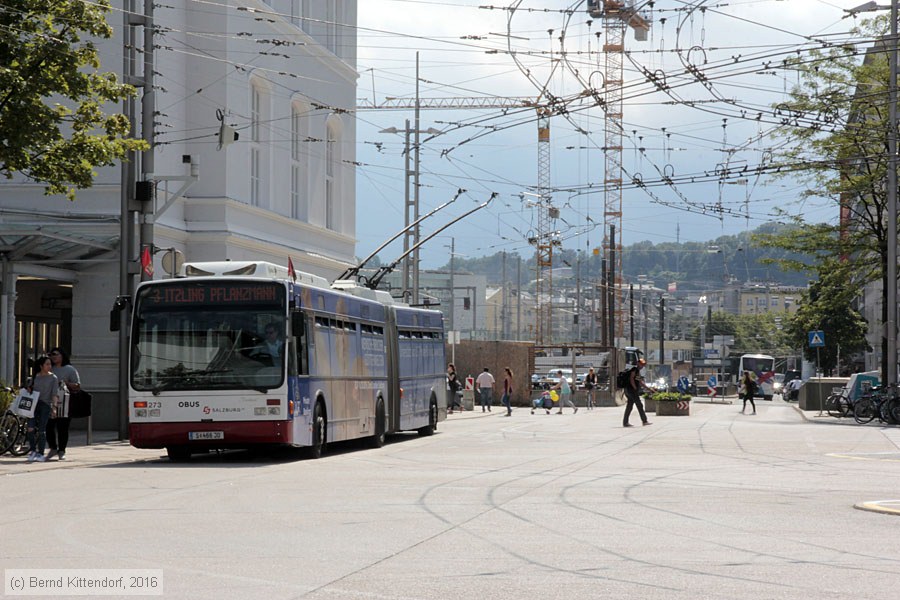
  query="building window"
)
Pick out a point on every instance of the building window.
point(258, 149)
point(332, 19)
point(299, 161)
point(749, 301)
point(306, 15)
point(332, 158)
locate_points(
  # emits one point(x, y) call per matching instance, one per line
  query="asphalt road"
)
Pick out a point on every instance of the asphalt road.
point(715, 505)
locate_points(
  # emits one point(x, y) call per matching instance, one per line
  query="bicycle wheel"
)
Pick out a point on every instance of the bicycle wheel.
point(864, 411)
point(20, 445)
point(9, 431)
point(834, 406)
point(889, 411)
point(894, 410)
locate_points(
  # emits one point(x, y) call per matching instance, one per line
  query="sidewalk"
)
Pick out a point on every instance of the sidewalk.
point(106, 448)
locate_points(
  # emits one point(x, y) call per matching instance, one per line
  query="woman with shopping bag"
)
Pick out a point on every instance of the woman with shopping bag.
point(47, 385)
point(70, 383)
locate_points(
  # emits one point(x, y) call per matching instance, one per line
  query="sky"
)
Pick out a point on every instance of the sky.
point(718, 59)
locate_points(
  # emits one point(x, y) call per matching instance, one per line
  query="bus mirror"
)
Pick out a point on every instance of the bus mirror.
point(115, 315)
point(297, 328)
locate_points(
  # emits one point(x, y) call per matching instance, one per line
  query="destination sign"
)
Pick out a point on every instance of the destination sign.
point(212, 293)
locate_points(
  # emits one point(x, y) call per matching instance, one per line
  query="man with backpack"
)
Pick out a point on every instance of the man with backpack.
point(634, 383)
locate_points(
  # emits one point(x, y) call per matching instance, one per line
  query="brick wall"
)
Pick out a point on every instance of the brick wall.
point(473, 356)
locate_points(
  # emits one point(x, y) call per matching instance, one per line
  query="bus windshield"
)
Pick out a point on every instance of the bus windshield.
point(208, 335)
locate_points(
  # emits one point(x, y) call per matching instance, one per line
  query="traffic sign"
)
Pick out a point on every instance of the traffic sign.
point(817, 339)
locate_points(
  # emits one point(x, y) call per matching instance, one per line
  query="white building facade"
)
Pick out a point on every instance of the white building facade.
point(280, 73)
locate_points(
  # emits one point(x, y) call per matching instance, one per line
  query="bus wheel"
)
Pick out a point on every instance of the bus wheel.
point(768, 398)
point(380, 431)
point(178, 453)
point(432, 420)
point(319, 424)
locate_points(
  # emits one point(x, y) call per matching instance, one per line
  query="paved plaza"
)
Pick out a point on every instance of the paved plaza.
point(714, 505)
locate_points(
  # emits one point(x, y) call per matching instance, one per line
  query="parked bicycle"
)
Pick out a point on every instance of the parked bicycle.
point(883, 403)
point(839, 404)
point(13, 428)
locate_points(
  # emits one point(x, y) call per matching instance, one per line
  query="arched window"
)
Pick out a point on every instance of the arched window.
point(300, 160)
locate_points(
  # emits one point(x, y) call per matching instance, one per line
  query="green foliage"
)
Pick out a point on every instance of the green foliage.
point(52, 125)
point(6, 398)
point(845, 158)
point(693, 265)
point(669, 396)
point(827, 306)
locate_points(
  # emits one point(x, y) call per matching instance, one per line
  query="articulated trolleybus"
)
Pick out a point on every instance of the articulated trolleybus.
point(763, 366)
point(238, 354)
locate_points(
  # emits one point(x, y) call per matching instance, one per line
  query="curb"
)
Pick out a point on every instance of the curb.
point(885, 507)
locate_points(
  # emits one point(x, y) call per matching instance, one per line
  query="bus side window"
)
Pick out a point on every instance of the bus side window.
point(300, 354)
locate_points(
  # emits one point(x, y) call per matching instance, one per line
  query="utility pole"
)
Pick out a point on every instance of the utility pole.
point(504, 329)
point(578, 298)
point(518, 298)
point(890, 376)
point(611, 285)
point(662, 329)
point(452, 292)
point(415, 256)
point(604, 299)
point(631, 311)
point(409, 236)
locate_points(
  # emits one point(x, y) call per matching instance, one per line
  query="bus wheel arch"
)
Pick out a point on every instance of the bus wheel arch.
point(178, 453)
point(432, 418)
point(319, 429)
point(380, 435)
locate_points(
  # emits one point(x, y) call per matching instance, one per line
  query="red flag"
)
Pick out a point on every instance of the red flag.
point(291, 272)
point(147, 262)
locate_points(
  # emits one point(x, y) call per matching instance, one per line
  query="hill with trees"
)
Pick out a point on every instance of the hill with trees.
point(692, 265)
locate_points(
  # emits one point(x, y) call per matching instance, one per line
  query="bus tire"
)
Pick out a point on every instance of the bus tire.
point(432, 419)
point(178, 453)
point(380, 436)
point(768, 398)
point(320, 429)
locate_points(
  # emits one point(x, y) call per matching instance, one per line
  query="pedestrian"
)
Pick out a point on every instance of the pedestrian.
point(58, 426)
point(633, 393)
point(46, 384)
point(485, 385)
point(453, 384)
point(590, 382)
point(507, 391)
point(565, 393)
point(748, 389)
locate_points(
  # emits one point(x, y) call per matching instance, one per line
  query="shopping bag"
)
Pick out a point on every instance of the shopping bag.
point(25, 403)
point(80, 404)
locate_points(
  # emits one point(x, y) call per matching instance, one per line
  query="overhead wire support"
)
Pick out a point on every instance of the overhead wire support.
point(373, 282)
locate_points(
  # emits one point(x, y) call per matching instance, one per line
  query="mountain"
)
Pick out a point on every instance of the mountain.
point(692, 265)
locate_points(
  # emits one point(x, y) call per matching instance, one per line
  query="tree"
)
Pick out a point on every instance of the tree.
point(52, 126)
point(835, 125)
point(826, 307)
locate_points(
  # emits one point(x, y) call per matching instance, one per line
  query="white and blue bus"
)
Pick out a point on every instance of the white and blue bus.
point(763, 366)
point(341, 361)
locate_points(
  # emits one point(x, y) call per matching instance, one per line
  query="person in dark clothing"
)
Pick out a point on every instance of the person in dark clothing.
point(632, 394)
point(58, 425)
point(748, 390)
point(453, 384)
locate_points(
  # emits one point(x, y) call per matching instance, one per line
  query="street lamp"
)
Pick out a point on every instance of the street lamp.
point(414, 205)
point(890, 376)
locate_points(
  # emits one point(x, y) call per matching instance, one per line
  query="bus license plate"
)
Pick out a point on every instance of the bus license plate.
point(206, 435)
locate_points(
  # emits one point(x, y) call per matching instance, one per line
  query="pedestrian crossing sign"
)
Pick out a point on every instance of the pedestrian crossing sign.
point(817, 339)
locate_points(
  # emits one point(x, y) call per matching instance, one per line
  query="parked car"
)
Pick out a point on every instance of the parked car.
point(537, 381)
point(552, 378)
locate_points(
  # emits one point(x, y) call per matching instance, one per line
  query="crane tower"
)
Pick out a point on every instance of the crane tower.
point(617, 16)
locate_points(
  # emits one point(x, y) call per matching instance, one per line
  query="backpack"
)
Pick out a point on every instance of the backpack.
point(622, 379)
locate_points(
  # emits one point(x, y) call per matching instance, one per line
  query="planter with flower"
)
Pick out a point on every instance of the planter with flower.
point(671, 404)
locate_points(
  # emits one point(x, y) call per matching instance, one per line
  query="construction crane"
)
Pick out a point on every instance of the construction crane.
point(545, 238)
point(617, 16)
